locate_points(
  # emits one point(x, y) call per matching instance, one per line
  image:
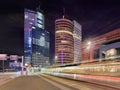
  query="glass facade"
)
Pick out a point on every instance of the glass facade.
point(40, 20)
point(29, 21)
point(40, 47)
point(77, 41)
point(36, 39)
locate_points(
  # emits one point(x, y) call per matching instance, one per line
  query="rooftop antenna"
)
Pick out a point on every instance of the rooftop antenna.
point(63, 13)
point(38, 8)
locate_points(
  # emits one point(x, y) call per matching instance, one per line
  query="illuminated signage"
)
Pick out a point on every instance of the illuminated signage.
point(3, 56)
point(13, 57)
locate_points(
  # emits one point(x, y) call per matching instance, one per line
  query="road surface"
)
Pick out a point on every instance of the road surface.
point(47, 82)
point(79, 85)
point(7, 76)
point(32, 83)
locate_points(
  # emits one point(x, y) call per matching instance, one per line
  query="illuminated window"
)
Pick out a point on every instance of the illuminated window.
point(39, 21)
point(40, 25)
point(39, 15)
point(26, 16)
point(111, 52)
point(42, 41)
point(29, 41)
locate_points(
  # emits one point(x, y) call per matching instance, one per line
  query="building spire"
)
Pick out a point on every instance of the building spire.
point(38, 8)
point(63, 13)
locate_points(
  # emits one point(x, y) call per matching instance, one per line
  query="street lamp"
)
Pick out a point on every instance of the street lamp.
point(89, 43)
point(89, 47)
point(56, 57)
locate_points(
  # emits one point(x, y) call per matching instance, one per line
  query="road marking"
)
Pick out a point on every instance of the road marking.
point(55, 84)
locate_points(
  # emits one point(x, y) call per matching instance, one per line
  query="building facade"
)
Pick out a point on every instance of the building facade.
point(40, 47)
point(102, 47)
point(67, 41)
point(33, 27)
point(77, 41)
point(64, 42)
point(29, 21)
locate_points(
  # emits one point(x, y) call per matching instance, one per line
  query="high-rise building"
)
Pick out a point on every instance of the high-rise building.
point(29, 21)
point(106, 46)
point(77, 41)
point(67, 41)
point(40, 47)
point(36, 39)
point(64, 42)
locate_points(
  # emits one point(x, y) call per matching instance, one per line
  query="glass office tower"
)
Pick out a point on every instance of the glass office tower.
point(40, 47)
point(29, 21)
point(33, 29)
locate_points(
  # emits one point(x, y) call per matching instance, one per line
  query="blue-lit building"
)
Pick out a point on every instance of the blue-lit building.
point(29, 21)
point(40, 47)
point(35, 37)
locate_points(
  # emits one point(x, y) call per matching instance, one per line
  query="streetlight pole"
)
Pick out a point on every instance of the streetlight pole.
point(3, 65)
point(22, 65)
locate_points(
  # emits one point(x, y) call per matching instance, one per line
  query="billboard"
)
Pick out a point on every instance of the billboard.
point(3, 56)
point(13, 57)
point(15, 64)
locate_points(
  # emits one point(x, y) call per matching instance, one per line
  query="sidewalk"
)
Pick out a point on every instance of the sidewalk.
point(4, 80)
point(7, 76)
point(28, 83)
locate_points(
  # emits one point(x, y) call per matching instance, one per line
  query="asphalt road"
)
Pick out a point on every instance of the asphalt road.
point(31, 83)
point(78, 85)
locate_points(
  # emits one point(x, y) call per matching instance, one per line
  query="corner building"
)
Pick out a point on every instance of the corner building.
point(64, 42)
point(102, 47)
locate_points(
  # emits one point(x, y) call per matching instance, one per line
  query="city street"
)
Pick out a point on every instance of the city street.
point(32, 83)
point(47, 82)
point(79, 85)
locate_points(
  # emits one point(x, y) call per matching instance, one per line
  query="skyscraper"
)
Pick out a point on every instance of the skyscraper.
point(29, 21)
point(40, 47)
point(36, 39)
point(77, 41)
point(67, 41)
point(64, 42)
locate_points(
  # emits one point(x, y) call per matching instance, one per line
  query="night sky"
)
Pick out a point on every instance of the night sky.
point(96, 17)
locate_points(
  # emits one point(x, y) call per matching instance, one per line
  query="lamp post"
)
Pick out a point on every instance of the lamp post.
point(22, 64)
point(89, 47)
